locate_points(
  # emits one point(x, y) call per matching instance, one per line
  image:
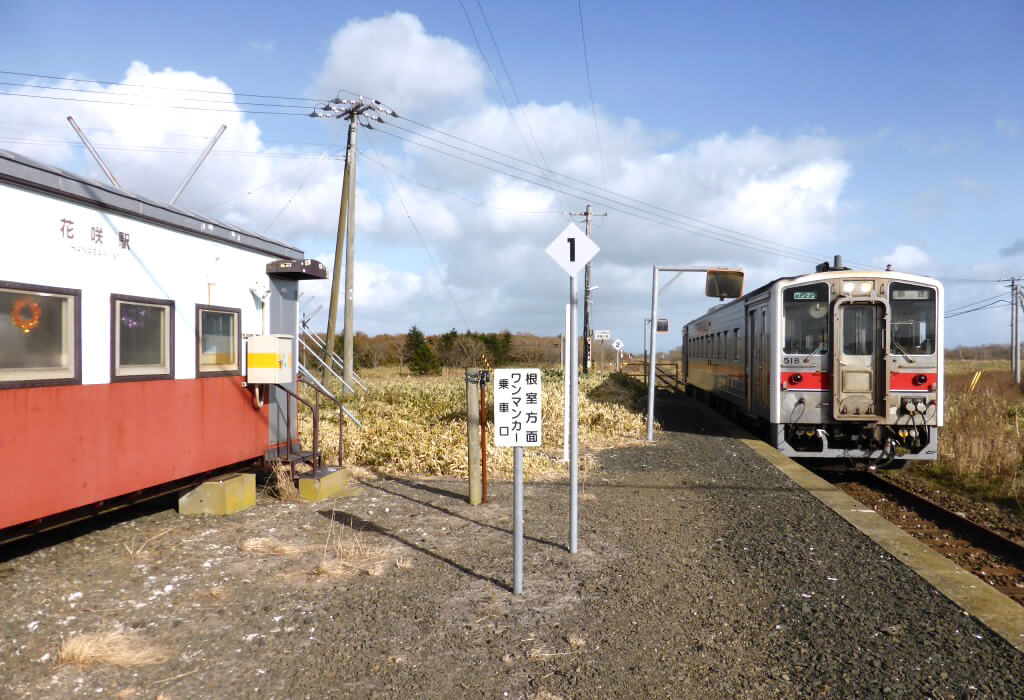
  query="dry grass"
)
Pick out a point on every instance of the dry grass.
point(981, 447)
point(116, 648)
point(417, 425)
point(576, 640)
point(269, 545)
point(281, 484)
point(349, 553)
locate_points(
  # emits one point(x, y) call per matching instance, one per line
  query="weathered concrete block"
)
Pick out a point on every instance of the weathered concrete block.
point(223, 495)
point(323, 484)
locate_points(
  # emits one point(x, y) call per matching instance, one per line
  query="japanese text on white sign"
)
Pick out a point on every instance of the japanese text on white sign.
point(517, 400)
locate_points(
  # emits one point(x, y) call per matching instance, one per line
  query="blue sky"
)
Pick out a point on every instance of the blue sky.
point(888, 132)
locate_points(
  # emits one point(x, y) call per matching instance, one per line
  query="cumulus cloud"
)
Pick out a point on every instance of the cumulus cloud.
point(485, 228)
point(394, 59)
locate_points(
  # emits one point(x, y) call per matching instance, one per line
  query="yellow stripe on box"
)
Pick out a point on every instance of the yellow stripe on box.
point(264, 360)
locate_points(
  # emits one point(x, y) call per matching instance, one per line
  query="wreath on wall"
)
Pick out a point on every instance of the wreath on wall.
point(26, 322)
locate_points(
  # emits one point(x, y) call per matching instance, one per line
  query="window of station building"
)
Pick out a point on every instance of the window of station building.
point(913, 319)
point(805, 315)
point(218, 340)
point(142, 337)
point(39, 335)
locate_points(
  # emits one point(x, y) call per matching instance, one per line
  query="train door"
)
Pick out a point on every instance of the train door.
point(751, 344)
point(757, 361)
point(859, 360)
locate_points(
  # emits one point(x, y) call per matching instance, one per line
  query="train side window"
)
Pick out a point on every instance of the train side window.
point(218, 341)
point(142, 338)
point(40, 335)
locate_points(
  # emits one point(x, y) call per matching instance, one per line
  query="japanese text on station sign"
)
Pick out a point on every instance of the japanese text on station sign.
point(517, 400)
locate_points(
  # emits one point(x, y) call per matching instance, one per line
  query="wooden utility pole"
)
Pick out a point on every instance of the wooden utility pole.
point(353, 111)
point(343, 218)
point(587, 341)
point(1014, 331)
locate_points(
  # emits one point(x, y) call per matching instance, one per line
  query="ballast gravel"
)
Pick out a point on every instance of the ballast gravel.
point(702, 571)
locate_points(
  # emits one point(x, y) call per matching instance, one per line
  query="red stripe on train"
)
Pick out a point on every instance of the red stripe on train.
point(807, 381)
point(913, 381)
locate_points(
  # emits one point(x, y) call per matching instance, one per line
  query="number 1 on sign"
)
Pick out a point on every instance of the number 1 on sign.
point(572, 249)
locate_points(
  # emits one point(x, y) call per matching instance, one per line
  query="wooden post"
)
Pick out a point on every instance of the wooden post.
point(473, 435)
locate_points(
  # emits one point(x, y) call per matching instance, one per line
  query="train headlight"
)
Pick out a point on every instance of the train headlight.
point(796, 378)
point(848, 287)
point(919, 379)
point(865, 287)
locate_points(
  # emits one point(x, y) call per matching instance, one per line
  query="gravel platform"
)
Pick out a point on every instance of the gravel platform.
point(702, 570)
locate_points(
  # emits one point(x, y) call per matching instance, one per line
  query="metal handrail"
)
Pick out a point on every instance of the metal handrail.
point(322, 345)
point(326, 366)
point(319, 390)
point(315, 408)
point(315, 383)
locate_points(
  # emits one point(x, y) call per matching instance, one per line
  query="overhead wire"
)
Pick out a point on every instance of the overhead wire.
point(990, 305)
point(625, 203)
point(590, 90)
point(622, 207)
point(464, 198)
point(419, 235)
point(515, 93)
point(501, 90)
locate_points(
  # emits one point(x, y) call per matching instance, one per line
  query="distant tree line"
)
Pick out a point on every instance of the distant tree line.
point(425, 354)
point(992, 351)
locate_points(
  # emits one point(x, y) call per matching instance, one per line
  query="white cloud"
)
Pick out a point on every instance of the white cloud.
point(1008, 127)
point(907, 258)
point(394, 59)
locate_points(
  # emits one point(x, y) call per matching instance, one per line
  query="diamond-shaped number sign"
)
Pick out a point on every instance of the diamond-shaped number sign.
point(617, 344)
point(572, 250)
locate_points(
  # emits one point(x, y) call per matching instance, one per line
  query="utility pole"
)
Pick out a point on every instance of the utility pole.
point(358, 112)
point(587, 344)
point(1014, 332)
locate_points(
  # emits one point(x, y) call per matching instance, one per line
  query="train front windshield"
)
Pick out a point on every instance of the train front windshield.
point(913, 319)
point(805, 311)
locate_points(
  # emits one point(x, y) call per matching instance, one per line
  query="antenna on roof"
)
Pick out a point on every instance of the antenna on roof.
point(202, 158)
point(88, 145)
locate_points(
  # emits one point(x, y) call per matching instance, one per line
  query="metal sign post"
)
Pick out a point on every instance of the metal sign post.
point(565, 385)
point(572, 250)
point(721, 282)
point(517, 423)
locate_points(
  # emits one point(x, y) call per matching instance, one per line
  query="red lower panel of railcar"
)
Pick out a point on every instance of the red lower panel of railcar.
point(65, 447)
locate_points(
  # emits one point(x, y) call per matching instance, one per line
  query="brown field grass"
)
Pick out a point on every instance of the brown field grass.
point(115, 647)
point(981, 448)
point(417, 425)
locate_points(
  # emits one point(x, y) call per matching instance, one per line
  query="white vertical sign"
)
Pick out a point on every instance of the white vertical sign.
point(517, 401)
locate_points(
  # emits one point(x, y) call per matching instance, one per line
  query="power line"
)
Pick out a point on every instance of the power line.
point(419, 235)
point(149, 106)
point(308, 103)
point(515, 93)
point(589, 190)
point(464, 198)
point(972, 303)
point(162, 87)
point(734, 238)
point(991, 305)
point(590, 90)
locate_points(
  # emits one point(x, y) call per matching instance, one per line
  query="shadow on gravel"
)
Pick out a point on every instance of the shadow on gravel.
point(686, 415)
point(448, 512)
point(91, 523)
point(461, 497)
point(354, 521)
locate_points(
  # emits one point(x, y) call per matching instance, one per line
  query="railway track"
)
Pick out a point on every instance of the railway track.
point(995, 559)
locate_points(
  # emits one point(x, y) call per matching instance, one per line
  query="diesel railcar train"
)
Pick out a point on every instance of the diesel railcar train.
point(835, 364)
